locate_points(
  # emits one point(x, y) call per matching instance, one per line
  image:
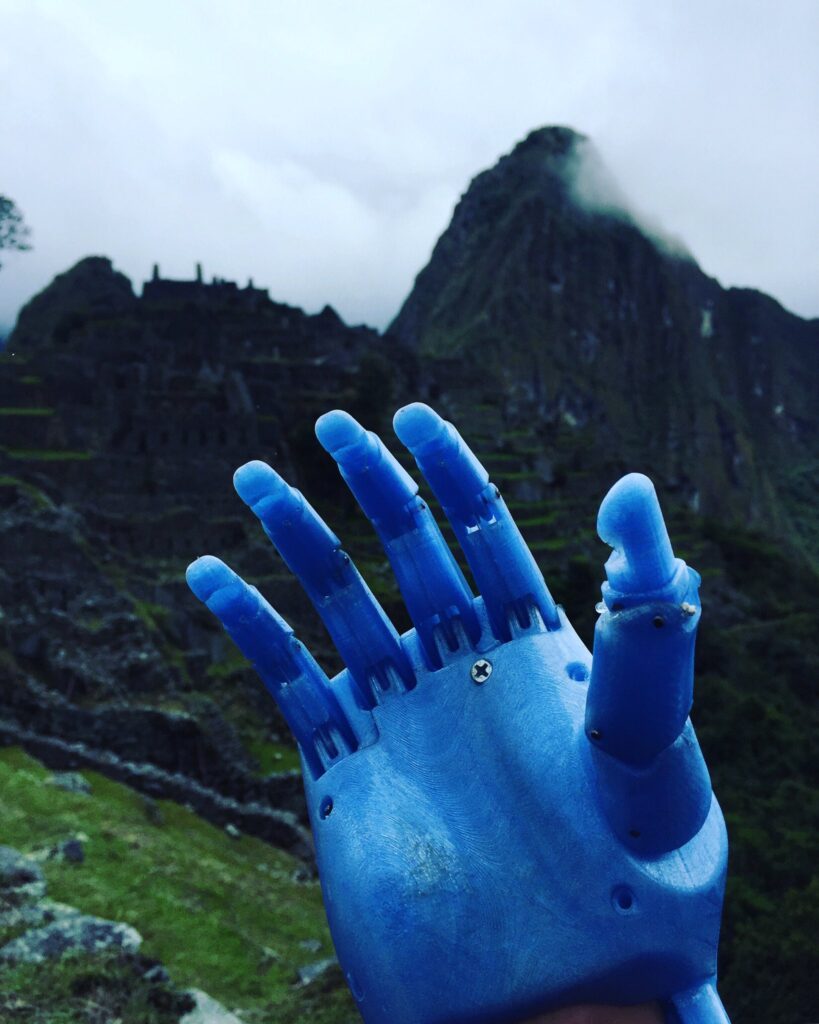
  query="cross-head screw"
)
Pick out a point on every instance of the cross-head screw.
point(481, 671)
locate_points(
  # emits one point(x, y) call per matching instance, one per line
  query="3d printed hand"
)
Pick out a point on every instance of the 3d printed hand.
point(503, 826)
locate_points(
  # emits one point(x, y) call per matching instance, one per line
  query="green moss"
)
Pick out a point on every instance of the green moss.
point(153, 615)
point(543, 520)
point(274, 757)
point(222, 914)
point(229, 666)
point(40, 499)
point(12, 410)
point(31, 378)
point(48, 455)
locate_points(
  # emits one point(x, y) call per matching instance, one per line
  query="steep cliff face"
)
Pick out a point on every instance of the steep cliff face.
point(565, 312)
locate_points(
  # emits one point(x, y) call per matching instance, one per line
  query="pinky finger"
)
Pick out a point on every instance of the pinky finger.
point(299, 686)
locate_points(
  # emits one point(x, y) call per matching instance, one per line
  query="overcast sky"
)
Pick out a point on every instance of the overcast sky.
point(320, 147)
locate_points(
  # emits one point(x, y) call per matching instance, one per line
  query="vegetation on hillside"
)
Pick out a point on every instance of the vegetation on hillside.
point(230, 915)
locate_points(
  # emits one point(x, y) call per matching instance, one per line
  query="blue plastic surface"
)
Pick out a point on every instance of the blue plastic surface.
point(503, 825)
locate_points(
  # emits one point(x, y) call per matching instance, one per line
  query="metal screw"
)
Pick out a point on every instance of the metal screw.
point(481, 671)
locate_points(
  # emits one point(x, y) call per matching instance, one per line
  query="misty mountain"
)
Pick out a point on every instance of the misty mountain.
point(562, 308)
point(571, 342)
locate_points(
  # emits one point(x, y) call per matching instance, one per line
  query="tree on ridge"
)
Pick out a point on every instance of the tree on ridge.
point(14, 233)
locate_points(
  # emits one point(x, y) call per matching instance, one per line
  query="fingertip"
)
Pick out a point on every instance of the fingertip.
point(256, 480)
point(632, 493)
point(631, 521)
point(417, 424)
point(337, 430)
point(208, 574)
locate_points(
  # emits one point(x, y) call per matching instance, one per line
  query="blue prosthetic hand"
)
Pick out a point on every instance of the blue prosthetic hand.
point(503, 824)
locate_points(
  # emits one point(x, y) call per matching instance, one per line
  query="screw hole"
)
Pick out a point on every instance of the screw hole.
point(578, 671)
point(634, 833)
point(595, 734)
point(326, 807)
point(658, 621)
point(622, 899)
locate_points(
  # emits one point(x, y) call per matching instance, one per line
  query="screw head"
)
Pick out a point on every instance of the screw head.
point(481, 671)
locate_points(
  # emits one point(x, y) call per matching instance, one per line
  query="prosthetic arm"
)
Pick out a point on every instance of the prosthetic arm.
point(504, 825)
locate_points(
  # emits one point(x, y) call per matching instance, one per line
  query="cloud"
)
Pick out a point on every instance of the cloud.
point(320, 148)
point(595, 188)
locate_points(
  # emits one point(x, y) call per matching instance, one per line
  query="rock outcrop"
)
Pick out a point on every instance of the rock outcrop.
point(74, 932)
point(45, 932)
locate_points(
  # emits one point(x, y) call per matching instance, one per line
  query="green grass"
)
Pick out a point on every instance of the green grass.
point(544, 520)
point(40, 499)
point(222, 914)
point(532, 449)
point(13, 410)
point(514, 435)
point(82, 989)
point(523, 474)
point(48, 455)
point(550, 544)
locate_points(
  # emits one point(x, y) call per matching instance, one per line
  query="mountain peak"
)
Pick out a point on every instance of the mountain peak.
point(527, 226)
point(548, 159)
point(91, 287)
point(562, 307)
point(556, 140)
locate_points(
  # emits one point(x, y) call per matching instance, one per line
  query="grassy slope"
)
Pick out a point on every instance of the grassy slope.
point(222, 914)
